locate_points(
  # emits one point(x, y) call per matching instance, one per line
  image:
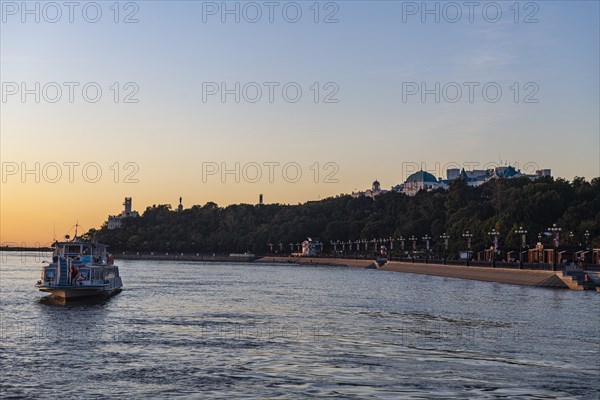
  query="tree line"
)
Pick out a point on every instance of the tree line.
point(501, 204)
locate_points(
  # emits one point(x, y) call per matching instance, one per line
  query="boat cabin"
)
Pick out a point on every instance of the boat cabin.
point(82, 252)
point(79, 263)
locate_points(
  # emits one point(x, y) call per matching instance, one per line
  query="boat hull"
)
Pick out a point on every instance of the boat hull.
point(80, 293)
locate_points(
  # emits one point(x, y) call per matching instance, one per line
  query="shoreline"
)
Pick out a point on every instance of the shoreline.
point(185, 257)
point(524, 277)
point(332, 262)
point(548, 279)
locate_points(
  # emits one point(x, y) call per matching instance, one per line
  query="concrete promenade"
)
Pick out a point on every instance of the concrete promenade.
point(524, 277)
point(500, 275)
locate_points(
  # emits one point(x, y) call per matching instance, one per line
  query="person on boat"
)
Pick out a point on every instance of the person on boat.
point(74, 273)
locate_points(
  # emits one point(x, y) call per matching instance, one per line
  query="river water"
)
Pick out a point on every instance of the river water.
point(209, 330)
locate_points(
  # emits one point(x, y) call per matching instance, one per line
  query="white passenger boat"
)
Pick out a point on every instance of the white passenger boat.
point(80, 269)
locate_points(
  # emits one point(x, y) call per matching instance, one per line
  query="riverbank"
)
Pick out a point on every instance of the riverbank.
point(185, 257)
point(501, 275)
point(341, 262)
point(365, 263)
point(549, 279)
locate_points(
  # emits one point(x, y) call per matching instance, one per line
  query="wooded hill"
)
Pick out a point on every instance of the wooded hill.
point(503, 204)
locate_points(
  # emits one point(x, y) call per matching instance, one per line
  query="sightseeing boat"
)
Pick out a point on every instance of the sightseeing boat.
point(80, 269)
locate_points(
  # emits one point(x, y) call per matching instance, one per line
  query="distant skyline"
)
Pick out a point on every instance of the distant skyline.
point(370, 119)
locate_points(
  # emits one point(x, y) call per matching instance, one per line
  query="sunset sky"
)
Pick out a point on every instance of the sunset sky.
point(167, 124)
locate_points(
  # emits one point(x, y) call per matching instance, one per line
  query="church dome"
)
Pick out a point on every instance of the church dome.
point(421, 176)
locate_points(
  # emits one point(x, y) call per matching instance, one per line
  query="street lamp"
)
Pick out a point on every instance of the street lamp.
point(413, 239)
point(495, 234)
point(401, 240)
point(587, 238)
point(426, 238)
point(468, 236)
point(571, 237)
point(556, 231)
point(540, 246)
point(445, 238)
point(523, 234)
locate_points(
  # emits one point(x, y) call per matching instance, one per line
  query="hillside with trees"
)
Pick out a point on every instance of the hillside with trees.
point(501, 204)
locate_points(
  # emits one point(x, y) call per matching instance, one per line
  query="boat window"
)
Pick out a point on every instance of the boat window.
point(49, 274)
point(109, 274)
point(96, 275)
point(73, 249)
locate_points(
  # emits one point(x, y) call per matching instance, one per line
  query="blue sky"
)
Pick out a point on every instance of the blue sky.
point(369, 54)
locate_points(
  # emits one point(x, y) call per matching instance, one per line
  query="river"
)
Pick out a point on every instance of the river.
point(217, 330)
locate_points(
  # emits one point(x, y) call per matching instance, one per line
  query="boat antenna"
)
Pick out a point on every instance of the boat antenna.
point(76, 226)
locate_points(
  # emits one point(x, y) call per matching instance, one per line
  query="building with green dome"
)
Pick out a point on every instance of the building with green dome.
point(420, 180)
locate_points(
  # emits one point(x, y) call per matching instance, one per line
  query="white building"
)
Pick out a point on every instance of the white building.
point(115, 221)
point(374, 191)
point(421, 180)
point(478, 177)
